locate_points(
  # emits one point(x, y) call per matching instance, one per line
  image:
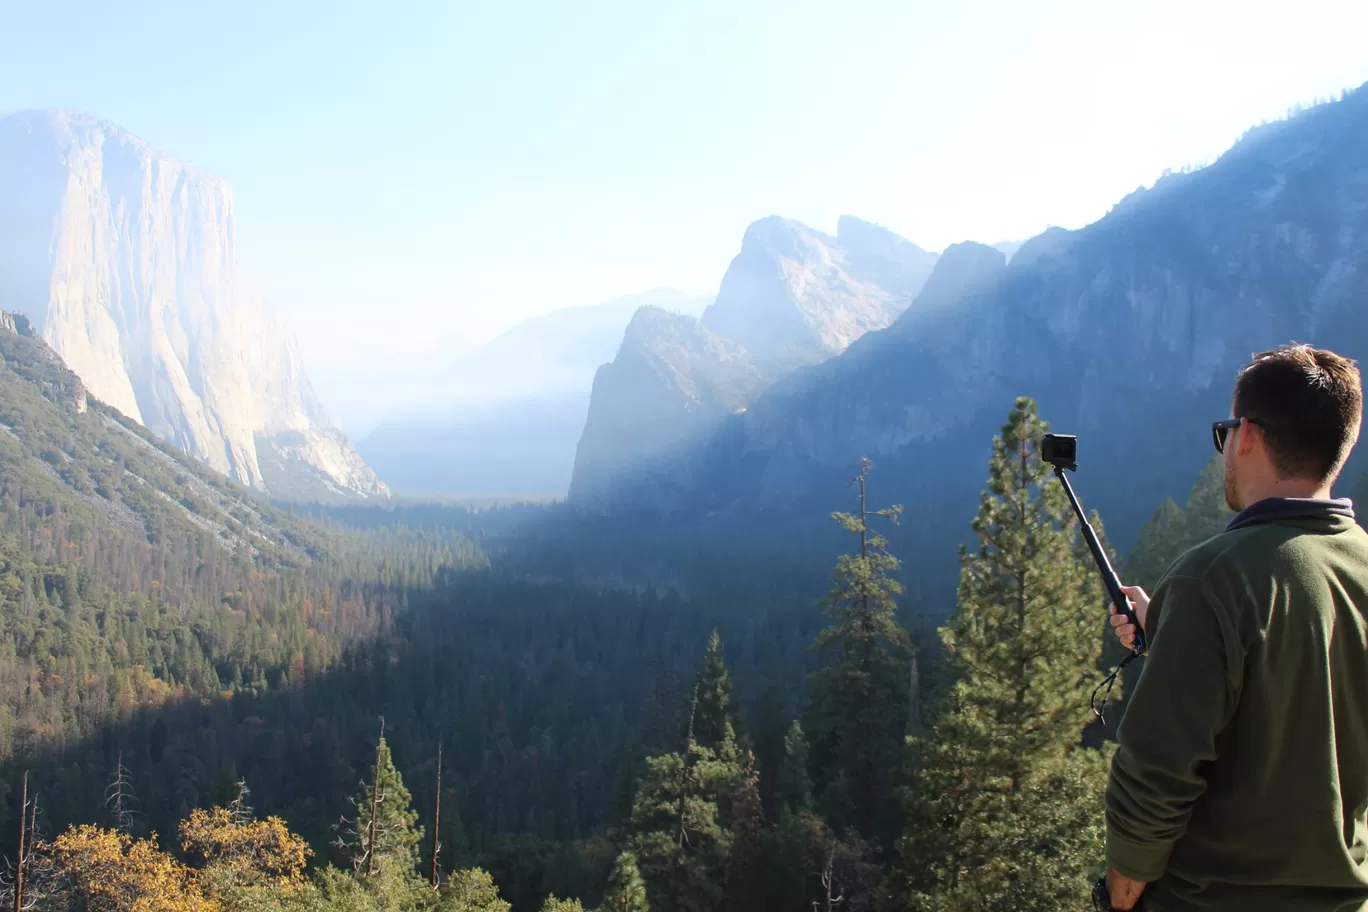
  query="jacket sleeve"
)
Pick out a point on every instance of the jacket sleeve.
point(1187, 691)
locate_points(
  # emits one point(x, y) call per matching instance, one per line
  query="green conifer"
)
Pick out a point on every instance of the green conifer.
point(1006, 806)
point(626, 890)
point(679, 838)
point(858, 716)
point(713, 722)
point(384, 830)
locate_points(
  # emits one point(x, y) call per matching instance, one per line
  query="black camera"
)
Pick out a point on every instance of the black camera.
point(1060, 450)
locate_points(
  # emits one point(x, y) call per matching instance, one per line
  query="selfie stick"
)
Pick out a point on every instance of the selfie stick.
point(1109, 577)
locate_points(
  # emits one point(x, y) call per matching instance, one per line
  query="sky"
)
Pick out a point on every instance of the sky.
point(411, 178)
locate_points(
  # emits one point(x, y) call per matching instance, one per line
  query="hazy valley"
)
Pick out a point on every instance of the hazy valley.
point(204, 583)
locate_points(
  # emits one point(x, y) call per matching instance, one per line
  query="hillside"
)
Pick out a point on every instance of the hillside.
point(63, 446)
point(131, 574)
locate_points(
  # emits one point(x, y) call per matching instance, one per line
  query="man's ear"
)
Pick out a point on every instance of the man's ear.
point(1248, 432)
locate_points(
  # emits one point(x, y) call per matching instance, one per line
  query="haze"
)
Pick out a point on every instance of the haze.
point(410, 179)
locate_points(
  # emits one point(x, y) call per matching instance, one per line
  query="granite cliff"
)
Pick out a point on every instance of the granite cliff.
point(670, 385)
point(795, 296)
point(124, 258)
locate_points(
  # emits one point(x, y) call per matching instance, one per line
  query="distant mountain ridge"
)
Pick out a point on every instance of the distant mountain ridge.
point(1128, 332)
point(124, 258)
point(505, 420)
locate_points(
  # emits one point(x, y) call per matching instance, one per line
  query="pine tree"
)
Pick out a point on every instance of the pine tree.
point(680, 841)
point(384, 830)
point(859, 711)
point(713, 722)
point(1006, 807)
point(626, 890)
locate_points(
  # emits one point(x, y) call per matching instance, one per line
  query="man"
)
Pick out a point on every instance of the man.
point(1241, 776)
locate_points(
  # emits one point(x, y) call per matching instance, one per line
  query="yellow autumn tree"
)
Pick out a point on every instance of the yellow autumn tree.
point(245, 853)
point(109, 871)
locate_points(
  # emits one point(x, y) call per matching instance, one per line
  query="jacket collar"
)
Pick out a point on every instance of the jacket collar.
point(1272, 509)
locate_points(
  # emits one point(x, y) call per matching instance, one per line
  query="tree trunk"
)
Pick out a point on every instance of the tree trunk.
point(19, 868)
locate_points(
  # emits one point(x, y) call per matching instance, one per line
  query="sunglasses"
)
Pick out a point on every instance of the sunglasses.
point(1221, 429)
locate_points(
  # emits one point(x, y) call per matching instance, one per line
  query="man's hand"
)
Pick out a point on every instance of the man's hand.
point(1125, 630)
point(1124, 892)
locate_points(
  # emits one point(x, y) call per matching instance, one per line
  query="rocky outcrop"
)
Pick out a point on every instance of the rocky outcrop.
point(124, 257)
point(61, 385)
point(671, 383)
point(796, 296)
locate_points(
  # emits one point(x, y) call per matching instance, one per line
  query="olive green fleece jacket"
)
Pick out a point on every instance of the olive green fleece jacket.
point(1241, 776)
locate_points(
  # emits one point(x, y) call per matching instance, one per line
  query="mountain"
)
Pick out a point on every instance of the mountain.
point(1127, 332)
point(792, 297)
point(506, 419)
point(796, 296)
point(671, 383)
point(124, 257)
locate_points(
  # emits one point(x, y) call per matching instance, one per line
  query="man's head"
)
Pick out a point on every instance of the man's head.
point(1300, 409)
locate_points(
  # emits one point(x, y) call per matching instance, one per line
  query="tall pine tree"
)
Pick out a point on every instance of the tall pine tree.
point(1006, 806)
point(383, 832)
point(680, 835)
point(858, 717)
point(713, 724)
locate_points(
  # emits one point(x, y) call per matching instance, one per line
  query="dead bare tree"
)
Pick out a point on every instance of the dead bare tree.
point(19, 868)
point(238, 807)
point(26, 884)
point(121, 800)
point(834, 895)
point(436, 823)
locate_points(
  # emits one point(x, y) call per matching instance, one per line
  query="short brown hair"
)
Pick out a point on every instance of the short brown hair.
point(1308, 403)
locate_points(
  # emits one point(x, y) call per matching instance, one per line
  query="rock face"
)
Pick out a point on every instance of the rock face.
point(796, 296)
point(1127, 332)
point(792, 297)
point(124, 258)
point(505, 421)
point(671, 384)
